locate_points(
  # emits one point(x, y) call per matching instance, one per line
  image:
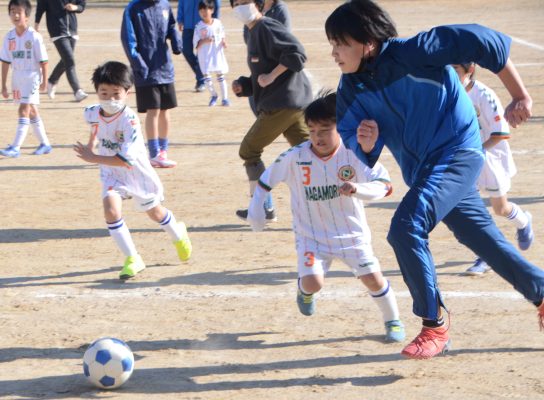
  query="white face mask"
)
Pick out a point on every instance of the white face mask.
point(112, 106)
point(246, 13)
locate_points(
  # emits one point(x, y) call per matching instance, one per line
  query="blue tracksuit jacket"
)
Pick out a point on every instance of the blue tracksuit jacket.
point(188, 13)
point(147, 24)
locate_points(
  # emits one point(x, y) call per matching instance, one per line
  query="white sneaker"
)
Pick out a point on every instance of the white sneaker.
point(161, 161)
point(51, 90)
point(80, 95)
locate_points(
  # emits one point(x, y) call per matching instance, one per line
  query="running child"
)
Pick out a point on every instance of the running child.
point(209, 42)
point(499, 164)
point(125, 170)
point(327, 184)
point(24, 50)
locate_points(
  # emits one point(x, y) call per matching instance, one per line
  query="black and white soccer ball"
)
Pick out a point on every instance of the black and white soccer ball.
point(108, 363)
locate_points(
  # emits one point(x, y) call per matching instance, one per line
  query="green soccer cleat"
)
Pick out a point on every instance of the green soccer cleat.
point(133, 265)
point(306, 303)
point(183, 245)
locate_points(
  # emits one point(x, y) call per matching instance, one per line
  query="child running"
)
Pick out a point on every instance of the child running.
point(209, 42)
point(327, 184)
point(125, 169)
point(24, 50)
point(499, 164)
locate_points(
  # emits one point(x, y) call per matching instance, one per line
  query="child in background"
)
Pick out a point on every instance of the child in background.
point(499, 164)
point(327, 184)
point(125, 169)
point(209, 42)
point(23, 48)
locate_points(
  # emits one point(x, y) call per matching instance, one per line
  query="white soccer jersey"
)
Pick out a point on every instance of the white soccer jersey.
point(211, 56)
point(25, 52)
point(319, 211)
point(499, 166)
point(121, 136)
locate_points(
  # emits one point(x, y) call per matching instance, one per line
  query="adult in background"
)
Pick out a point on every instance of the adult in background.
point(146, 28)
point(188, 17)
point(62, 27)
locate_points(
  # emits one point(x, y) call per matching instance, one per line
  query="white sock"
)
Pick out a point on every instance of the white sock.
point(518, 217)
point(120, 233)
point(209, 84)
point(39, 130)
point(223, 85)
point(387, 302)
point(170, 226)
point(20, 133)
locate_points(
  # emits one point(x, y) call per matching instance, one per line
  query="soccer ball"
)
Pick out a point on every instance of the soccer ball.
point(108, 363)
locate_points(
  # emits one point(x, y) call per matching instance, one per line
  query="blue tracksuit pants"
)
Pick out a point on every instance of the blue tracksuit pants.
point(446, 191)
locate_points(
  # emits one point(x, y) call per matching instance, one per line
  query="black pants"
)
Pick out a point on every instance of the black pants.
point(65, 46)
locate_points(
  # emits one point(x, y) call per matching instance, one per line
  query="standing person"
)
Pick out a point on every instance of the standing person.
point(209, 42)
point(499, 164)
point(24, 50)
point(327, 184)
point(401, 93)
point(280, 88)
point(188, 17)
point(125, 170)
point(146, 27)
point(62, 27)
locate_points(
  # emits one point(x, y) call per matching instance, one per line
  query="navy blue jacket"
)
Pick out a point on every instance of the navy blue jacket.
point(409, 89)
point(147, 24)
point(188, 12)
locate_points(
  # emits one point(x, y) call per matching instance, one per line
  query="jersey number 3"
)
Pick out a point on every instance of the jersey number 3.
point(306, 175)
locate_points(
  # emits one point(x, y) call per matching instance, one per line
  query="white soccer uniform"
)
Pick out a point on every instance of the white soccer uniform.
point(327, 225)
point(211, 56)
point(121, 136)
point(24, 53)
point(499, 164)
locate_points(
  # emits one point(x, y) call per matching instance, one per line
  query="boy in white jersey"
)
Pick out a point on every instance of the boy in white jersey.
point(209, 42)
point(24, 50)
point(327, 183)
point(125, 169)
point(499, 164)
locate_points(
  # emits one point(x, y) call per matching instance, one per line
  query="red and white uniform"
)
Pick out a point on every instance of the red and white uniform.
point(327, 225)
point(25, 53)
point(499, 164)
point(121, 136)
point(211, 56)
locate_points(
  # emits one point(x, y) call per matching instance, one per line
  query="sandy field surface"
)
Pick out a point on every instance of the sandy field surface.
point(225, 324)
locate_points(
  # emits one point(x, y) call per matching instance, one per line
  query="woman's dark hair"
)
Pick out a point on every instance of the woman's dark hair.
point(113, 73)
point(206, 4)
point(21, 3)
point(322, 109)
point(258, 3)
point(362, 20)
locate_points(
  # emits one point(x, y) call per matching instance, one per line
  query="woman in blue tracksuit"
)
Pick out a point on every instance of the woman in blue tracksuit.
point(402, 94)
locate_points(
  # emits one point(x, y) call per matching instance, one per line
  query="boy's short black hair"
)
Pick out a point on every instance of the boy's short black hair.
point(362, 20)
point(21, 3)
point(113, 73)
point(210, 4)
point(258, 3)
point(322, 109)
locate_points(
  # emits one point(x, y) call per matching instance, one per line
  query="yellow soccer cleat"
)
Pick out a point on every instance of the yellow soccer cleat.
point(183, 245)
point(133, 265)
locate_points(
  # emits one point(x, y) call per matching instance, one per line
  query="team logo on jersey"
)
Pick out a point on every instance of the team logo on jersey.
point(28, 45)
point(346, 173)
point(120, 135)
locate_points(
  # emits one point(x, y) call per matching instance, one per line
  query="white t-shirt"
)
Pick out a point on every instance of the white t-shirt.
point(211, 56)
point(25, 52)
point(319, 211)
point(121, 135)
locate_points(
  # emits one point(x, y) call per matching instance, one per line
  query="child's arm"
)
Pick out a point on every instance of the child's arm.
point(256, 216)
point(86, 153)
point(43, 83)
point(374, 190)
point(5, 69)
point(492, 141)
point(519, 109)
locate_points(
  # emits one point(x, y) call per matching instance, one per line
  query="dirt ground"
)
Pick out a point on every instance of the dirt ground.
point(225, 325)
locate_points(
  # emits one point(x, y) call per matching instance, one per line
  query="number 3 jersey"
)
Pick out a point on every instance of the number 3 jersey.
point(319, 211)
point(120, 135)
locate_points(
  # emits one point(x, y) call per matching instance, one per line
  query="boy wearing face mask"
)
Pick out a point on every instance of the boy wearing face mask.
point(125, 170)
point(279, 86)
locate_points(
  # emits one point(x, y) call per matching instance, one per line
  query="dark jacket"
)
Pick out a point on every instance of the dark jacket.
point(60, 23)
point(188, 12)
point(147, 24)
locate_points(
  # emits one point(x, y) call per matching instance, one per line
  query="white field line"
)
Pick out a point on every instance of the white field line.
point(526, 43)
point(192, 294)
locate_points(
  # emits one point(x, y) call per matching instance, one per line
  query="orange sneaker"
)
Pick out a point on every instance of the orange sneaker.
point(429, 343)
point(541, 316)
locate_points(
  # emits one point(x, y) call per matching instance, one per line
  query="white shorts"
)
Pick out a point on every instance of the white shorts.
point(315, 259)
point(26, 87)
point(139, 203)
point(494, 180)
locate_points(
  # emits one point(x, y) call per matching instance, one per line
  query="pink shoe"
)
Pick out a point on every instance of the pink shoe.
point(161, 161)
point(429, 343)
